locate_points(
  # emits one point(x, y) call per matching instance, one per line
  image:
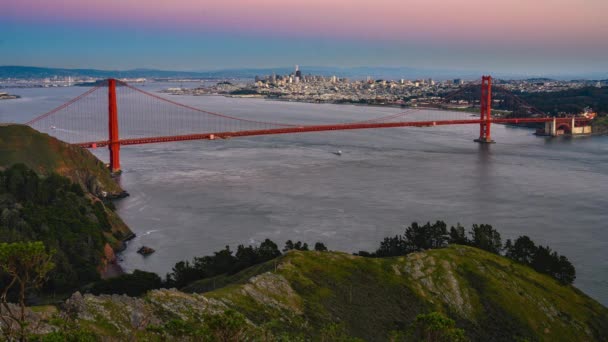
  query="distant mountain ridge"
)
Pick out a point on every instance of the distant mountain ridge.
point(30, 72)
point(27, 72)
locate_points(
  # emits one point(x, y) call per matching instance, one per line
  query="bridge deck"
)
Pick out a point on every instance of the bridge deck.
point(315, 128)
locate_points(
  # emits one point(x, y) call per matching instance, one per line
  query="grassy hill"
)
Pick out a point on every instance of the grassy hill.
point(301, 294)
point(45, 154)
point(20, 144)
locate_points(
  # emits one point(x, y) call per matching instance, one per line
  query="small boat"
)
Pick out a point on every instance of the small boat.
point(53, 127)
point(338, 153)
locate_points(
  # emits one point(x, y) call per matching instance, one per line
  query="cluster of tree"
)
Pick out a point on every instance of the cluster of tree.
point(57, 212)
point(132, 284)
point(571, 101)
point(227, 262)
point(183, 273)
point(436, 235)
point(244, 92)
point(540, 258)
point(300, 246)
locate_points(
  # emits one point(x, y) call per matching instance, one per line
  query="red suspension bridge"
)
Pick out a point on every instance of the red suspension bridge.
point(115, 113)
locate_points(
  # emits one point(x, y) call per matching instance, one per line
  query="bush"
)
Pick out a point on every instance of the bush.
point(134, 284)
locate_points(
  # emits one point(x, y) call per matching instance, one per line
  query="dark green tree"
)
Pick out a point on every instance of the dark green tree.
point(320, 246)
point(288, 246)
point(27, 265)
point(429, 236)
point(485, 237)
point(268, 250)
point(522, 250)
point(134, 284)
point(300, 246)
point(392, 246)
point(458, 235)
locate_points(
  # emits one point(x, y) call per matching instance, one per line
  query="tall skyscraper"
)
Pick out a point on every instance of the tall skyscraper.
point(298, 72)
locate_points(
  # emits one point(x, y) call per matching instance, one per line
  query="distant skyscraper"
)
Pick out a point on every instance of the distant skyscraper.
point(298, 72)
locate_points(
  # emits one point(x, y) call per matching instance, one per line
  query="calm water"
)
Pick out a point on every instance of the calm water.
point(191, 198)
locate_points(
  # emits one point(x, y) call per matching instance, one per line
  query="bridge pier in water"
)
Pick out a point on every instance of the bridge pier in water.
point(113, 139)
point(557, 127)
point(485, 136)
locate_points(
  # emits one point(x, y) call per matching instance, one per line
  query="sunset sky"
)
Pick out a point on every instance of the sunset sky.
point(518, 36)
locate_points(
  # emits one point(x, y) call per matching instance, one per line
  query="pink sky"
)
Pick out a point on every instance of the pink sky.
point(524, 21)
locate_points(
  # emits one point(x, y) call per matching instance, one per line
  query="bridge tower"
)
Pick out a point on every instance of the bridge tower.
point(485, 136)
point(113, 140)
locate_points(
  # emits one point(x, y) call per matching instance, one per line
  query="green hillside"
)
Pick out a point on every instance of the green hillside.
point(92, 214)
point(313, 295)
point(45, 154)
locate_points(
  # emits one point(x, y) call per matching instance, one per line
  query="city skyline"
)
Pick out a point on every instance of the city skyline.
point(544, 37)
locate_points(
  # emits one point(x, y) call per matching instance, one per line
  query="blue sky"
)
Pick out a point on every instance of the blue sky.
point(84, 37)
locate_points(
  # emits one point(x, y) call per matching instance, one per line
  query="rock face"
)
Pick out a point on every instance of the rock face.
point(490, 297)
point(145, 250)
point(118, 315)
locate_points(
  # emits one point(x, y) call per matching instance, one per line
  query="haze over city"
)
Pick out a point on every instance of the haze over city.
point(514, 36)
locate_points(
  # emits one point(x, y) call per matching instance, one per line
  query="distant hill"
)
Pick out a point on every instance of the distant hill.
point(27, 72)
point(45, 154)
point(316, 296)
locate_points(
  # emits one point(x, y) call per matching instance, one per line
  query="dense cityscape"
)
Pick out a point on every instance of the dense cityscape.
point(333, 89)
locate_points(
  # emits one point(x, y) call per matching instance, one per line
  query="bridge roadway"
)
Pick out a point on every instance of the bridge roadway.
point(315, 128)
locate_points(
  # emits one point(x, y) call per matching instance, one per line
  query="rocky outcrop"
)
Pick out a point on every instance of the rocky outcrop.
point(300, 293)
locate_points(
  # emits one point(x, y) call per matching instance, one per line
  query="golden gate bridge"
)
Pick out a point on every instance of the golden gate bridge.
point(115, 113)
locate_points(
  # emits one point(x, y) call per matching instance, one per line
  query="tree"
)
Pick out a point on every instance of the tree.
point(134, 284)
point(288, 246)
point(565, 272)
point(183, 273)
point(429, 236)
point(486, 238)
point(417, 236)
point(557, 266)
point(298, 246)
point(395, 246)
point(26, 264)
point(458, 235)
point(522, 250)
point(268, 250)
point(320, 246)
point(434, 327)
